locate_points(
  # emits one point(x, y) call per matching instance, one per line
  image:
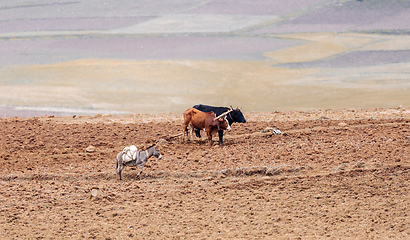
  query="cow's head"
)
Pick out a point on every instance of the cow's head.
point(224, 124)
point(237, 115)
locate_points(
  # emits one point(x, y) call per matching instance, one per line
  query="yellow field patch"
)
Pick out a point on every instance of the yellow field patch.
point(139, 86)
point(319, 46)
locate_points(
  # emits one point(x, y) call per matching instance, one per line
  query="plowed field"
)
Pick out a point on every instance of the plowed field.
point(331, 174)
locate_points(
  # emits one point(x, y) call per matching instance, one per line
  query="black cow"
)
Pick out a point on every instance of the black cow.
point(234, 116)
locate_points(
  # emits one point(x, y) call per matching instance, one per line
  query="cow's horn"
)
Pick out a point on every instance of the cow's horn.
point(223, 114)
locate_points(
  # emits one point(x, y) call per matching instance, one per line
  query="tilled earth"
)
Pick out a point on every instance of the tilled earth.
point(331, 174)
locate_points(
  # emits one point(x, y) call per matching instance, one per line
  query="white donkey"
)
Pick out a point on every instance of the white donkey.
point(131, 157)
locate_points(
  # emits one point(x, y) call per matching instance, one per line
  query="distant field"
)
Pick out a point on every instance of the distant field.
point(164, 57)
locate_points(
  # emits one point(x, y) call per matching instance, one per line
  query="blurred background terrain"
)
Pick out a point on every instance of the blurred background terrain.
point(86, 57)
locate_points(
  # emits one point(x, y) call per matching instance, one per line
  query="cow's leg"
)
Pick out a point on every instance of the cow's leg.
point(192, 132)
point(184, 132)
point(221, 135)
point(210, 140)
point(198, 133)
point(209, 134)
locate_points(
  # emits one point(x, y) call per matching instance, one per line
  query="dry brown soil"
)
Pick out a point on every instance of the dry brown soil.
point(332, 174)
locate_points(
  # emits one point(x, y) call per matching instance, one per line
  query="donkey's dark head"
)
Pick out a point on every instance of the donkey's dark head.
point(156, 153)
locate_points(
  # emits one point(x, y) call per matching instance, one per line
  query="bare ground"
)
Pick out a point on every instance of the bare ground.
point(332, 174)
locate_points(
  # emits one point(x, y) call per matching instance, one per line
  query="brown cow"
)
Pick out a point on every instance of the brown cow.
point(206, 121)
